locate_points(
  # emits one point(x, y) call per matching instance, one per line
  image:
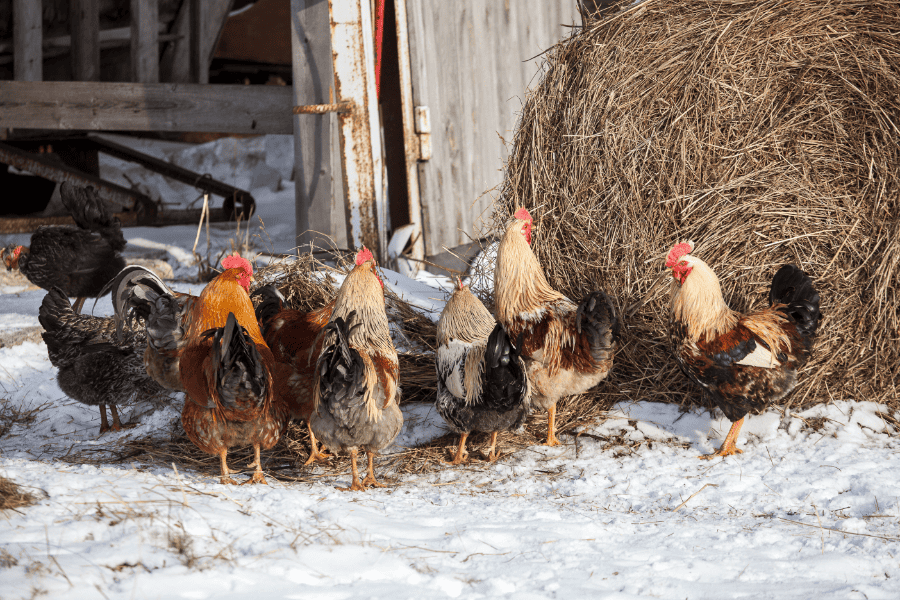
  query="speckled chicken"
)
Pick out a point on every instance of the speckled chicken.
point(481, 379)
point(79, 259)
point(96, 367)
point(357, 392)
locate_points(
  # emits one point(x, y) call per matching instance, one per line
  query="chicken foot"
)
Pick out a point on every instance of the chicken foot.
point(493, 454)
point(315, 455)
point(461, 454)
point(226, 472)
point(356, 485)
point(370, 475)
point(728, 447)
point(551, 427)
point(257, 476)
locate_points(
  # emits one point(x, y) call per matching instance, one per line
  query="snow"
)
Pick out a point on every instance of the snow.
point(624, 510)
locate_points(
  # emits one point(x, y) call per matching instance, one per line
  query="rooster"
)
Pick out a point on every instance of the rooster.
point(481, 379)
point(295, 340)
point(567, 348)
point(356, 385)
point(746, 362)
point(79, 259)
point(210, 346)
point(95, 366)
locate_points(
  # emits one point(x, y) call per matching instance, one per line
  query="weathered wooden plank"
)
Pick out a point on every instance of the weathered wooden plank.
point(199, 61)
point(145, 41)
point(319, 192)
point(467, 59)
point(175, 64)
point(27, 39)
point(146, 107)
point(84, 21)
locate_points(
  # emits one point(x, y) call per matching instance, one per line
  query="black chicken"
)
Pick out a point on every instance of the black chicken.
point(96, 366)
point(78, 259)
point(481, 378)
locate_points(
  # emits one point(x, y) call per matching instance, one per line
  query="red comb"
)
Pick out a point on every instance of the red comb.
point(523, 215)
point(363, 255)
point(237, 262)
point(677, 251)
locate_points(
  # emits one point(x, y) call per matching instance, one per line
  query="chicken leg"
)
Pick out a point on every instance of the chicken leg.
point(315, 455)
point(355, 485)
point(370, 475)
point(118, 425)
point(551, 427)
point(492, 454)
point(461, 454)
point(226, 472)
point(257, 476)
point(728, 446)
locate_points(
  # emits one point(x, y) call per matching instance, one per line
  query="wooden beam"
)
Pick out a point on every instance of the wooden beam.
point(112, 106)
point(84, 20)
point(317, 184)
point(175, 65)
point(199, 64)
point(144, 41)
point(28, 34)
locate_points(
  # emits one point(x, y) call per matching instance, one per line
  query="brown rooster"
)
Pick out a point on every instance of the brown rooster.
point(356, 386)
point(210, 346)
point(295, 340)
point(481, 379)
point(746, 362)
point(78, 259)
point(567, 348)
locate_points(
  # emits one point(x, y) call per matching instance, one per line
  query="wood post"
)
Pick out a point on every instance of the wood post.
point(28, 35)
point(317, 174)
point(175, 65)
point(199, 61)
point(144, 41)
point(84, 24)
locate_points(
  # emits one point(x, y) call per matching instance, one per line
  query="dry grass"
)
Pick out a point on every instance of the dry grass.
point(12, 496)
point(764, 131)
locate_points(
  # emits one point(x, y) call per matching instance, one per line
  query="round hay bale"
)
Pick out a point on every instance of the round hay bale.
point(767, 132)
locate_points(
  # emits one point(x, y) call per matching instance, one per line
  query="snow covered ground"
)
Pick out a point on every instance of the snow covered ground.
point(625, 510)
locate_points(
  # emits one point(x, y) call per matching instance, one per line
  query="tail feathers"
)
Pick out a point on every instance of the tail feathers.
point(63, 329)
point(505, 381)
point(341, 368)
point(54, 308)
point(793, 287)
point(270, 304)
point(89, 212)
point(134, 292)
point(241, 375)
point(164, 323)
point(596, 317)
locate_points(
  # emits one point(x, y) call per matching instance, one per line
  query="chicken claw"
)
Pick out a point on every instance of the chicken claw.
point(461, 454)
point(370, 480)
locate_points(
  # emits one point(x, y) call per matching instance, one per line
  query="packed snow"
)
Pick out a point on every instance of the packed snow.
point(811, 509)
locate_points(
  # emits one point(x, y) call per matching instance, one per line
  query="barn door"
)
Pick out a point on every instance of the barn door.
point(469, 72)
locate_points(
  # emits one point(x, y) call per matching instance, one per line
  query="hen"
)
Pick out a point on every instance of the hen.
point(746, 362)
point(567, 348)
point(356, 391)
point(210, 346)
point(295, 340)
point(96, 367)
point(79, 259)
point(481, 380)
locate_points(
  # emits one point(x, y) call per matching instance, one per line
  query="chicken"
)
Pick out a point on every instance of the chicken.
point(481, 379)
point(568, 348)
point(295, 340)
point(79, 259)
point(95, 366)
point(213, 345)
point(356, 385)
point(746, 362)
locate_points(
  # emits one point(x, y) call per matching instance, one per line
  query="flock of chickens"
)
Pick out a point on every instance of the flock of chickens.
point(246, 370)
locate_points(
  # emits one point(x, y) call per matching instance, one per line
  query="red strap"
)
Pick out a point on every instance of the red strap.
point(379, 36)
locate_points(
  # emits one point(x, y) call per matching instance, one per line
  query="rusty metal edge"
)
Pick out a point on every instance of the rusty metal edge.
point(127, 219)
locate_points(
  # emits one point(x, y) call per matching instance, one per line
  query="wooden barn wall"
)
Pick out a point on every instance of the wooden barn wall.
point(470, 67)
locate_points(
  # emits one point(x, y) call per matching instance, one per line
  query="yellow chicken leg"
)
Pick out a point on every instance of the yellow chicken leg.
point(551, 427)
point(370, 475)
point(355, 485)
point(461, 454)
point(257, 476)
point(223, 461)
point(315, 455)
point(492, 454)
point(728, 446)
